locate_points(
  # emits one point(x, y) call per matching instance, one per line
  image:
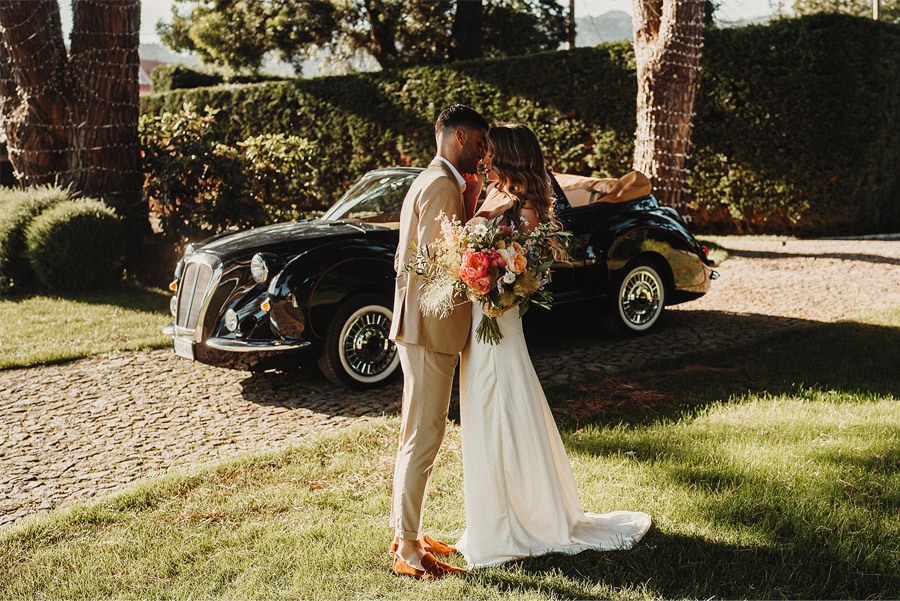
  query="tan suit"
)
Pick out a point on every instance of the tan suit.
point(428, 347)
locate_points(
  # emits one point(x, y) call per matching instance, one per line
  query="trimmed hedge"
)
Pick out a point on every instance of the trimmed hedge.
point(76, 245)
point(179, 77)
point(17, 209)
point(797, 127)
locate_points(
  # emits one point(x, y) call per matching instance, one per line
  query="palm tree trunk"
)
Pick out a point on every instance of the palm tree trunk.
point(668, 40)
point(72, 119)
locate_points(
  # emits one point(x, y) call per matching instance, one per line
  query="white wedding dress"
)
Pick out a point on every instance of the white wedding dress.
point(521, 497)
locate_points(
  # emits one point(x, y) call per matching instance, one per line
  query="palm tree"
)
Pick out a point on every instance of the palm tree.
point(71, 118)
point(668, 40)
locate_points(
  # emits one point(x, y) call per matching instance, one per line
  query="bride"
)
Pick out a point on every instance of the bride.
point(520, 494)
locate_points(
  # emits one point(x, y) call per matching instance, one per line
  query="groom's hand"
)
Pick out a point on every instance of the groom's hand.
point(474, 183)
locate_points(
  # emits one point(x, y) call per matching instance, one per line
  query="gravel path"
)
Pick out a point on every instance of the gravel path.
point(70, 431)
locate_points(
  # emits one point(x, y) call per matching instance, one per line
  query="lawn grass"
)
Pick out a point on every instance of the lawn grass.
point(771, 471)
point(47, 329)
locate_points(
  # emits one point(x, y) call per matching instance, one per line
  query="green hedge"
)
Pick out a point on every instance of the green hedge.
point(796, 130)
point(179, 77)
point(17, 209)
point(76, 245)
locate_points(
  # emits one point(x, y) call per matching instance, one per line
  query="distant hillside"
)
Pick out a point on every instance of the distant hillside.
point(611, 26)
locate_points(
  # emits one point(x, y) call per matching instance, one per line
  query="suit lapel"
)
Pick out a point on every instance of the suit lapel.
point(460, 208)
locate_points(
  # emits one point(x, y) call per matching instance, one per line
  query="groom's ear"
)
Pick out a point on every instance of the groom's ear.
point(461, 136)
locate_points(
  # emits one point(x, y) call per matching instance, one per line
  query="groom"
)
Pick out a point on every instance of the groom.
point(429, 347)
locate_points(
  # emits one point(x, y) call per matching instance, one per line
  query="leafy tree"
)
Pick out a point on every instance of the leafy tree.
point(238, 34)
point(890, 9)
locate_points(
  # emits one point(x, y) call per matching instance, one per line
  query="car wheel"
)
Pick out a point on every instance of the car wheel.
point(357, 351)
point(638, 299)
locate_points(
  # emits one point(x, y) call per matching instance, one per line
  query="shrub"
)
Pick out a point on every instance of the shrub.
point(197, 186)
point(17, 209)
point(178, 77)
point(76, 245)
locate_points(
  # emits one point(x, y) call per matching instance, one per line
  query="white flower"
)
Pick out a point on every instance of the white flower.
point(509, 277)
point(480, 229)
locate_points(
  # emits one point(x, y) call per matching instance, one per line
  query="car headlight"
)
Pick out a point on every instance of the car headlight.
point(264, 266)
point(231, 320)
point(259, 269)
point(173, 306)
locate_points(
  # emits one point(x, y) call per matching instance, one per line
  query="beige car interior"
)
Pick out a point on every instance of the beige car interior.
point(582, 191)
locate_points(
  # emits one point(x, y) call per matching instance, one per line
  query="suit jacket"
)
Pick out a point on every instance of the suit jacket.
point(433, 191)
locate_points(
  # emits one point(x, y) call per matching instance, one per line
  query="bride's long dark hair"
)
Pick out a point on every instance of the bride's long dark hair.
point(517, 159)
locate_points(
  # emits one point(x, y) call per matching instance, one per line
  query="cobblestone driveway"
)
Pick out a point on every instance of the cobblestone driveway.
point(70, 431)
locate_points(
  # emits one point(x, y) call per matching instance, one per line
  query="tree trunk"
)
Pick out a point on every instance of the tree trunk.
point(465, 37)
point(381, 35)
point(668, 40)
point(72, 120)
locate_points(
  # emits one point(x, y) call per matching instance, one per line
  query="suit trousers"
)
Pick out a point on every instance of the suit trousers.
point(427, 381)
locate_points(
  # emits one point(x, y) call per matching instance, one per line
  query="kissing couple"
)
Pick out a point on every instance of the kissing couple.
point(520, 494)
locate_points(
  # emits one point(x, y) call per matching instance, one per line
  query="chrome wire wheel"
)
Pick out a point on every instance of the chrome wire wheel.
point(641, 298)
point(365, 352)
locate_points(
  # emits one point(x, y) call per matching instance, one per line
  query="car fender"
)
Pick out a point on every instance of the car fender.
point(313, 284)
point(652, 236)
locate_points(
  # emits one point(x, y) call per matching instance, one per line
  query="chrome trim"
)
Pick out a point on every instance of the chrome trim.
point(213, 263)
point(169, 329)
point(242, 346)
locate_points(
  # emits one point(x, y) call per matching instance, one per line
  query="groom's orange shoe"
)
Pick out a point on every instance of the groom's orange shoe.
point(432, 568)
point(431, 545)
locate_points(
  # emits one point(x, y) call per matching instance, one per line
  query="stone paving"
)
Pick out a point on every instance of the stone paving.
point(73, 430)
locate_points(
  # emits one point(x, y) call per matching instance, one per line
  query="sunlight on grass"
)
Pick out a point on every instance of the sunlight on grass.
point(44, 329)
point(762, 496)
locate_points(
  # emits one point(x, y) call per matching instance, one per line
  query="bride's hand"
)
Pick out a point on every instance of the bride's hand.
point(474, 183)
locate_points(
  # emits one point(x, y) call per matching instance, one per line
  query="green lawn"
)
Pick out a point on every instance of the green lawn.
point(771, 471)
point(45, 329)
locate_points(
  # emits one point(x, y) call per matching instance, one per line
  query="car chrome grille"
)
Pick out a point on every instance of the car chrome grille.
point(199, 280)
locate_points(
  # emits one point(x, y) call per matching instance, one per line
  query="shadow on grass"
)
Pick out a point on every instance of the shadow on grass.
point(678, 566)
point(629, 380)
point(843, 357)
point(127, 296)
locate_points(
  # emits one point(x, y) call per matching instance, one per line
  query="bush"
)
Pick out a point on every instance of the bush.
point(17, 209)
point(197, 186)
point(76, 245)
point(797, 126)
point(179, 77)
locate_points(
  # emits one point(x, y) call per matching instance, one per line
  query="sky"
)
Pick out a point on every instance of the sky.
point(153, 11)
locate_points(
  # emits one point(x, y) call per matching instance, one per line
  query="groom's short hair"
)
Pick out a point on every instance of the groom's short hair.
point(459, 115)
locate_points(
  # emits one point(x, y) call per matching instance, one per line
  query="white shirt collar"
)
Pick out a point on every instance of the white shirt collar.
point(456, 174)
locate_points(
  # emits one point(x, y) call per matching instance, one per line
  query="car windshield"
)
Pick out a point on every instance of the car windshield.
point(376, 198)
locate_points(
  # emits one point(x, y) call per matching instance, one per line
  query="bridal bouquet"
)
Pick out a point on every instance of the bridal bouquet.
point(492, 264)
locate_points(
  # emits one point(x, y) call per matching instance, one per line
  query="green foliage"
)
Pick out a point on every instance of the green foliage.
point(237, 35)
point(890, 9)
point(197, 185)
point(17, 209)
point(797, 127)
point(177, 77)
point(76, 245)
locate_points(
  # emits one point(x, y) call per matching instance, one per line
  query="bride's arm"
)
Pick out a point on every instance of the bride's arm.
point(529, 217)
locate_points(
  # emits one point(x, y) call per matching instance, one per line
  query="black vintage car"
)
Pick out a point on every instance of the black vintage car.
point(274, 296)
